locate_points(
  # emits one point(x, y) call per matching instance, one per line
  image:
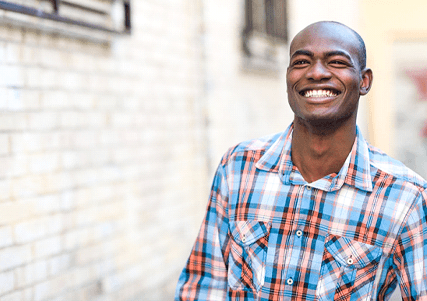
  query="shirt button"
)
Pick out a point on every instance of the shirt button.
point(290, 281)
point(308, 187)
point(299, 233)
point(350, 261)
point(244, 238)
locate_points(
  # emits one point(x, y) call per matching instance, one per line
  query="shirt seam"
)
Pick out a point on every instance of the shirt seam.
point(405, 220)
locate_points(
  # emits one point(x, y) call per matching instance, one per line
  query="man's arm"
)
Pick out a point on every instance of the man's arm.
point(205, 274)
point(411, 253)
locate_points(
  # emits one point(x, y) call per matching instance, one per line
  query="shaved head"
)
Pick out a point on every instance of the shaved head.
point(342, 29)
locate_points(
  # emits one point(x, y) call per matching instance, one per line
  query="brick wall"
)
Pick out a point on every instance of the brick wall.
point(101, 157)
point(107, 150)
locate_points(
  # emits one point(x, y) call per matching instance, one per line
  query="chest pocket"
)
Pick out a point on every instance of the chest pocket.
point(248, 253)
point(348, 269)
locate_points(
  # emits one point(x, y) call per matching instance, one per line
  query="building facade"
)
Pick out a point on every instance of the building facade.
point(109, 139)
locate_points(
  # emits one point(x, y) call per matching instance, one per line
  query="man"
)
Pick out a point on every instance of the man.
point(314, 212)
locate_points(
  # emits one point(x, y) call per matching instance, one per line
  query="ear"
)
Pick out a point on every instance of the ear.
point(366, 82)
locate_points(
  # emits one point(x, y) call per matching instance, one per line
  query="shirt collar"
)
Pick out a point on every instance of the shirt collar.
point(355, 171)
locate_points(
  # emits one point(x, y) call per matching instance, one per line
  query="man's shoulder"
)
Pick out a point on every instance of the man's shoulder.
point(253, 146)
point(397, 169)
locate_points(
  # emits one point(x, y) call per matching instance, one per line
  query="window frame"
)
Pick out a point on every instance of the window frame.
point(264, 35)
point(55, 15)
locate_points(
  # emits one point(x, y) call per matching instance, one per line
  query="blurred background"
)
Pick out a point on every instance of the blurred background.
point(114, 115)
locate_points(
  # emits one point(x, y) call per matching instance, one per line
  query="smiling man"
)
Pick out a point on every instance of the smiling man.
point(313, 213)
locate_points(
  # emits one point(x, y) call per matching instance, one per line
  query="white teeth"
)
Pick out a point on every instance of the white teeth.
point(319, 93)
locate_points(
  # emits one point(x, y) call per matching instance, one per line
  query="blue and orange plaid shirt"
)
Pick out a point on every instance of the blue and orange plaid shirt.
point(270, 235)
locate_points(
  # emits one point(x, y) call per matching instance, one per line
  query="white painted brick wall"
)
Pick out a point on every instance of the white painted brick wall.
point(31, 273)
point(7, 281)
point(12, 257)
point(103, 149)
point(47, 247)
point(6, 238)
point(58, 264)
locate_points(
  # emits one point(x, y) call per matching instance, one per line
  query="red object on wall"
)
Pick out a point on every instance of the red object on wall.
point(424, 130)
point(419, 77)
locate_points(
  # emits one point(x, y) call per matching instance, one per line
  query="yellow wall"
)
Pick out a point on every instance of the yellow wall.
point(384, 22)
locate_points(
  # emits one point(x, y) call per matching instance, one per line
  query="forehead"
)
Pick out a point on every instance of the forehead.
point(326, 38)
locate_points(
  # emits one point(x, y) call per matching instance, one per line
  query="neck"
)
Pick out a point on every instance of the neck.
point(321, 149)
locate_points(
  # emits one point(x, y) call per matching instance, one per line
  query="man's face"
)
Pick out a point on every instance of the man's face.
point(324, 79)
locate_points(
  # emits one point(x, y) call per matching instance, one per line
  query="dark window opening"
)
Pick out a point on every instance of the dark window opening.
point(266, 17)
point(265, 33)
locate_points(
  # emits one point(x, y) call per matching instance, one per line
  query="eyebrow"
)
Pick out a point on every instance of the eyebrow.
point(302, 52)
point(339, 52)
point(328, 54)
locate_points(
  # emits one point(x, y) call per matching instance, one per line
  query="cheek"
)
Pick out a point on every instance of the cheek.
point(293, 104)
point(352, 81)
point(288, 83)
point(292, 77)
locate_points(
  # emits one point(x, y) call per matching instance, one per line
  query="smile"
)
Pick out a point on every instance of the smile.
point(320, 93)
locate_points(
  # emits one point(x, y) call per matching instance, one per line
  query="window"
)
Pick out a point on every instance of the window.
point(265, 33)
point(89, 17)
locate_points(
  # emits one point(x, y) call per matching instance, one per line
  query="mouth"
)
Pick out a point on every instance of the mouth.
point(319, 93)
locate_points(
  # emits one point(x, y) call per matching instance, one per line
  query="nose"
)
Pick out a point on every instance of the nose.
point(318, 72)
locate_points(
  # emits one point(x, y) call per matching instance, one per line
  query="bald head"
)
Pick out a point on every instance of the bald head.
point(341, 31)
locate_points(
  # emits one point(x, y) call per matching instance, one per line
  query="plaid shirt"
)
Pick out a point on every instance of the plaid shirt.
point(270, 235)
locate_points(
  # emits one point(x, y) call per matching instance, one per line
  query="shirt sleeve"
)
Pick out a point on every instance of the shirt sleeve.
point(411, 253)
point(205, 274)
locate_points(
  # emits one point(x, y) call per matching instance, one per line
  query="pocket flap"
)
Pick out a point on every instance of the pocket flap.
point(247, 232)
point(352, 253)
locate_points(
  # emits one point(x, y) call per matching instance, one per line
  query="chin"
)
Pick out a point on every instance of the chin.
point(326, 122)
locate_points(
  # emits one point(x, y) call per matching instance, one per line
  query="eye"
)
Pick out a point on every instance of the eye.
point(300, 63)
point(338, 63)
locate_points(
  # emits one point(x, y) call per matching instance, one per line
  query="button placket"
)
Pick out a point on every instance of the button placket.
point(295, 241)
